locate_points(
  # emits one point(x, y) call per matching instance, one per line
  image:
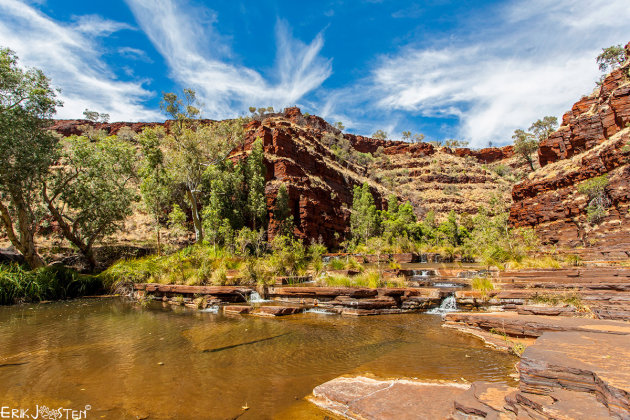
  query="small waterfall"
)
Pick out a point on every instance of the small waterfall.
point(211, 309)
point(449, 304)
point(424, 259)
point(422, 273)
point(319, 311)
point(446, 284)
point(256, 298)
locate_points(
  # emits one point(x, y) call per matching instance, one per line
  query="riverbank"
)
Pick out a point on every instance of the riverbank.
point(18, 285)
point(595, 292)
point(577, 368)
point(568, 326)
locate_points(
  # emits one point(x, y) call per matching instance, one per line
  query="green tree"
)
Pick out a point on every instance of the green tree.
point(455, 143)
point(191, 148)
point(611, 58)
point(364, 219)
point(413, 138)
point(177, 219)
point(256, 200)
point(598, 201)
point(282, 212)
point(95, 117)
point(399, 220)
point(543, 128)
point(380, 135)
point(495, 242)
point(90, 194)
point(156, 181)
point(27, 151)
point(451, 229)
point(525, 144)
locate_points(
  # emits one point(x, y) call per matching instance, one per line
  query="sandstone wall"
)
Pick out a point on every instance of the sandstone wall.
point(594, 140)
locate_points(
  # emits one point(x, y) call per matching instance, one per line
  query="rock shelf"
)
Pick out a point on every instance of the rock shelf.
point(576, 369)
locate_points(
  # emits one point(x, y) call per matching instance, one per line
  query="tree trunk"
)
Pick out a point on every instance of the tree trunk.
point(25, 244)
point(158, 241)
point(195, 216)
point(66, 230)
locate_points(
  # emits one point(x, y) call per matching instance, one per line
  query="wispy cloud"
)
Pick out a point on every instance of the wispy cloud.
point(134, 54)
point(97, 26)
point(412, 12)
point(535, 58)
point(69, 55)
point(196, 56)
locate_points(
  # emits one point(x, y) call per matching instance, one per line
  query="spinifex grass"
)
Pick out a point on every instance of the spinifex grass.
point(369, 278)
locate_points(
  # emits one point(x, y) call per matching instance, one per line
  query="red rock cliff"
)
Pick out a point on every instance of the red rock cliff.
point(320, 184)
point(594, 140)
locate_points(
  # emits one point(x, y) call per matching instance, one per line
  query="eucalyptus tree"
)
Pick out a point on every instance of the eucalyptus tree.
point(256, 200)
point(611, 58)
point(542, 128)
point(525, 144)
point(191, 147)
point(156, 180)
point(90, 192)
point(27, 151)
point(364, 219)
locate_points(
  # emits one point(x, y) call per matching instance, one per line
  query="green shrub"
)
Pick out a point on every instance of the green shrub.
point(336, 264)
point(595, 190)
point(47, 283)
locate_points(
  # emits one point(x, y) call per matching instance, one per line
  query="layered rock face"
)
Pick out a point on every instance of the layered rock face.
point(594, 140)
point(320, 187)
point(300, 153)
point(442, 179)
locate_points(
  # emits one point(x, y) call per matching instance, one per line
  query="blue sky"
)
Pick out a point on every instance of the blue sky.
point(473, 70)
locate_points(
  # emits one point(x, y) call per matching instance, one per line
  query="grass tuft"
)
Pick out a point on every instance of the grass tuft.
point(47, 283)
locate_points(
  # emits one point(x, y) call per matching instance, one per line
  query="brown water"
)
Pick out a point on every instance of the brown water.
point(126, 361)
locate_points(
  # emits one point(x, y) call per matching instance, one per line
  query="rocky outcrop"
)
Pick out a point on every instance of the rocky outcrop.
point(367, 398)
point(320, 187)
point(594, 140)
point(77, 127)
point(300, 153)
point(592, 119)
point(576, 371)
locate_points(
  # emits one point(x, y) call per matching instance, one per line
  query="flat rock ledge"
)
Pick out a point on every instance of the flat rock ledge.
point(574, 368)
point(367, 398)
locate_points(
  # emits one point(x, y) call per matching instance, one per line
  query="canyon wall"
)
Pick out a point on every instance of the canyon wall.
point(594, 140)
point(299, 153)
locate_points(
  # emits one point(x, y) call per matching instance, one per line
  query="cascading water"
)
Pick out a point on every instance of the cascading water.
point(319, 311)
point(423, 273)
point(449, 304)
point(446, 284)
point(256, 298)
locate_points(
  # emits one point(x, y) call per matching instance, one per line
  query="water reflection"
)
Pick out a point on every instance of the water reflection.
point(162, 362)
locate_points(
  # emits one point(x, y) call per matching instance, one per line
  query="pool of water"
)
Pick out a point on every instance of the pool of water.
point(127, 361)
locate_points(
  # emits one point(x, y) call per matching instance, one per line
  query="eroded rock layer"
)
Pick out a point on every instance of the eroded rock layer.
point(594, 140)
point(320, 167)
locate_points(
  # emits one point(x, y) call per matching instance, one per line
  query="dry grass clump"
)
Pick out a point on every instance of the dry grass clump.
point(482, 285)
point(369, 278)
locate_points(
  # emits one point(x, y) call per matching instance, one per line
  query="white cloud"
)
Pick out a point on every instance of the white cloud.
point(537, 60)
point(97, 26)
point(134, 54)
point(70, 57)
point(195, 56)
